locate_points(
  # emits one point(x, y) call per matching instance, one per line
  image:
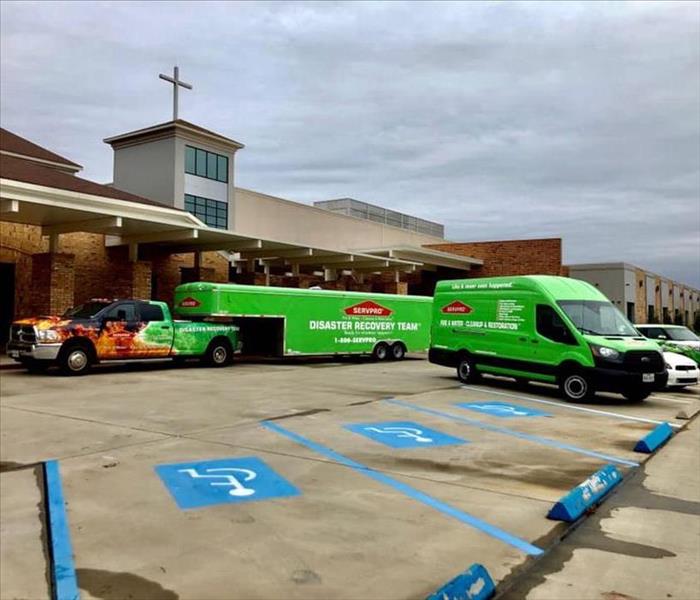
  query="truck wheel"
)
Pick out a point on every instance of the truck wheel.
point(381, 351)
point(398, 351)
point(467, 371)
point(636, 394)
point(219, 353)
point(575, 386)
point(75, 359)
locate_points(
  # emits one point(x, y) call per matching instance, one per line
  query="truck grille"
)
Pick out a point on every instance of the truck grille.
point(643, 361)
point(23, 333)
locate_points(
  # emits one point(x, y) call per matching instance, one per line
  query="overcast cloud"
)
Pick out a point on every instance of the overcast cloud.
point(501, 120)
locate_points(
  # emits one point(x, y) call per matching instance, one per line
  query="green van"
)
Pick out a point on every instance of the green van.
point(542, 328)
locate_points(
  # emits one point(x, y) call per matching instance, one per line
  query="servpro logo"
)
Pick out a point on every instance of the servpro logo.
point(189, 303)
point(368, 309)
point(457, 307)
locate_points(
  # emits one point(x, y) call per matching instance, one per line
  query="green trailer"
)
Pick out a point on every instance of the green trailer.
point(275, 321)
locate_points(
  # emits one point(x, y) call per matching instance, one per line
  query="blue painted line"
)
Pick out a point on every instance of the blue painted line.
point(404, 488)
point(65, 584)
point(517, 434)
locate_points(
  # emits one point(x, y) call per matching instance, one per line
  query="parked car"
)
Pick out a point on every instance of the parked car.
point(103, 330)
point(673, 337)
point(682, 371)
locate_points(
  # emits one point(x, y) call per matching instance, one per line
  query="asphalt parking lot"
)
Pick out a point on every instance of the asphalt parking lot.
point(303, 479)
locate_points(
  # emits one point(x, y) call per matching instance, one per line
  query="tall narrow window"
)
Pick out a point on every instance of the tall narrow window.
point(211, 165)
point(190, 157)
point(201, 163)
point(222, 171)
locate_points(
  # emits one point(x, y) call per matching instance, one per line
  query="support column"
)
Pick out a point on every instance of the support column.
point(130, 280)
point(53, 283)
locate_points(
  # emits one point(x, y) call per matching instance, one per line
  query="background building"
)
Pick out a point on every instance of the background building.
point(643, 296)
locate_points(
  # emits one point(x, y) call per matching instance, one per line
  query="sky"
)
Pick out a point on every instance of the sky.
point(502, 120)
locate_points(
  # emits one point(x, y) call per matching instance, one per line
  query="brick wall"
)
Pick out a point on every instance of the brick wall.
point(510, 257)
point(17, 244)
point(53, 282)
point(98, 271)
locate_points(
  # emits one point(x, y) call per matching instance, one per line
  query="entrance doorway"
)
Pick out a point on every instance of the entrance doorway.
point(7, 301)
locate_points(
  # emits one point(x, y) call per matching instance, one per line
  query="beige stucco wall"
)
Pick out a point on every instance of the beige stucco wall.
point(148, 170)
point(269, 217)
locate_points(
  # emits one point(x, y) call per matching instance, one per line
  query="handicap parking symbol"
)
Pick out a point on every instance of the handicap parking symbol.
point(223, 481)
point(404, 434)
point(502, 409)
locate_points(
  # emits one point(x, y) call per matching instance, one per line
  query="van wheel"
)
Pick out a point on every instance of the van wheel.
point(398, 351)
point(575, 386)
point(381, 351)
point(75, 359)
point(466, 370)
point(218, 354)
point(636, 394)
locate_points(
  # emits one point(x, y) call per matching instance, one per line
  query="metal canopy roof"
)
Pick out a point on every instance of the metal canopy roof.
point(428, 256)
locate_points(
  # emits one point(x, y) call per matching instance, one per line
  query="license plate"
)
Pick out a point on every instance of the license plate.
point(13, 353)
point(648, 377)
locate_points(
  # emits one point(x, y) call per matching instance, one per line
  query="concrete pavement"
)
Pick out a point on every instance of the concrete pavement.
point(643, 543)
point(343, 534)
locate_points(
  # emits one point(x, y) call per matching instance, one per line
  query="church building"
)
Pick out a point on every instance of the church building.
point(173, 214)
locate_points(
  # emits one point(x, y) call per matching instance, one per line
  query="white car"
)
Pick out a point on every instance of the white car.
point(682, 371)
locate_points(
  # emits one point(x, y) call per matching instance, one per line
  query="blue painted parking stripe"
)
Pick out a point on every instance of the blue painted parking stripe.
point(518, 434)
point(404, 488)
point(65, 584)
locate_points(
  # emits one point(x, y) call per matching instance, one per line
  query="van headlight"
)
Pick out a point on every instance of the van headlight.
point(606, 353)
point(47, 336)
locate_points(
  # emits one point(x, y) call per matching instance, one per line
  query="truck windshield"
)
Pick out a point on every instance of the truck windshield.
point(85, 311)
point(681, 334)
point(597, 318)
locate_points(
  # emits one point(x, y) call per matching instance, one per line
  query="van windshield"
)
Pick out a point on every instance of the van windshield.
point(597, 318)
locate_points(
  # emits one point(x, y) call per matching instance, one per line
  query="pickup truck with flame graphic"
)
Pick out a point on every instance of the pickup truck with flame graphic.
point(104, 330)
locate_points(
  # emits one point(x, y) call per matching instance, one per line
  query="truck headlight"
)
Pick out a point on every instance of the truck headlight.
point(606, 353)
point(47, 336)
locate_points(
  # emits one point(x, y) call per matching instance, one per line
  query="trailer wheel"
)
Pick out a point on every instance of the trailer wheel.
point(398, 351)
point(219, 353)
point(466, 370)
point(381, 351)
